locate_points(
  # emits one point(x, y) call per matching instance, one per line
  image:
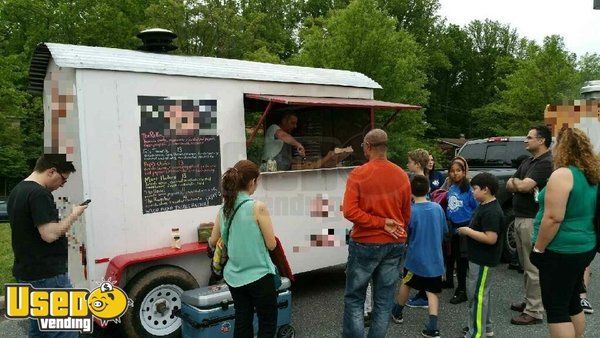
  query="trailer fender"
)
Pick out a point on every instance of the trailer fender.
point(118, 265)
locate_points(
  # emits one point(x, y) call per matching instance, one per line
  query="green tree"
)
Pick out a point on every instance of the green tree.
point(24, 24)
point(447, 108)
point(480, 56)
point(364, 38)
point(547, 75)
point(12, 157)
point(320, 8)
point(494, 119)
point(255, 30)
point(418, 17)
point(589, 67)
point(210, 28)
point(272, 25)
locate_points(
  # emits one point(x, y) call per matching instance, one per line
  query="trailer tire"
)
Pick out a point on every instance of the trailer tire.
point(156, 292)
point(286, 331)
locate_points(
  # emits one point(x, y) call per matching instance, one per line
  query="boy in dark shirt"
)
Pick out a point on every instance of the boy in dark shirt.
point(484, 246)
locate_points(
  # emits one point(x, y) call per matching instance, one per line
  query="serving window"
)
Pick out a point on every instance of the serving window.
point(330, 130)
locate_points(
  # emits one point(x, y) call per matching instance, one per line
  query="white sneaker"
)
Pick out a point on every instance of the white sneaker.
point(587, 307)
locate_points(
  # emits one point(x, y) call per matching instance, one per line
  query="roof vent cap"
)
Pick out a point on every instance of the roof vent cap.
point(157, 40)
point(591, 90)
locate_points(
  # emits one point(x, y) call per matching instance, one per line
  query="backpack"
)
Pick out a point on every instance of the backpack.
point(439, 196)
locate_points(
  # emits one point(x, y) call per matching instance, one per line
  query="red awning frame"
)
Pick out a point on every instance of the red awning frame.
point(312, 101)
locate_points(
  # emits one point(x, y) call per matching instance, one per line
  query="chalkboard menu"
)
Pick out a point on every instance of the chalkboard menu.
point(181, 160)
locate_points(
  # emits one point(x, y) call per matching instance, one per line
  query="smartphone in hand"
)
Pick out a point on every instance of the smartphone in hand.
point(86, 202)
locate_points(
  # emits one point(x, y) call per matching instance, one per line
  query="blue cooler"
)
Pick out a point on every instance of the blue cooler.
point(208, 312)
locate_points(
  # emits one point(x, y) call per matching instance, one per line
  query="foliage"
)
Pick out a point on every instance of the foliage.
point(480, 57)
point(481, 79)
point(6, 257)
point(24, 24)
point(364, 38)
point(589, 67)
point(418, 17)
point(547, 75)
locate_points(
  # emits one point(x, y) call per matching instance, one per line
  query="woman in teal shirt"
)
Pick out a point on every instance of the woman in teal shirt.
point(564, 237)
point(245, 227)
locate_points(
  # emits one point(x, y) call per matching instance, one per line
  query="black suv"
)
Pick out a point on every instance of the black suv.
point(495, 152)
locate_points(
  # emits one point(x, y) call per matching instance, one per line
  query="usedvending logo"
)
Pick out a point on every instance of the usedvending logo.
point(66, 309)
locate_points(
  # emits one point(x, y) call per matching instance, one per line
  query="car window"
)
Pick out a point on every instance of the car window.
point(496, 155)
point(517, 153)
point(474, 153)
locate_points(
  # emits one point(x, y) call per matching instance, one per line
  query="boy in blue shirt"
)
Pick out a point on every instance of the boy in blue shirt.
point(424, 265)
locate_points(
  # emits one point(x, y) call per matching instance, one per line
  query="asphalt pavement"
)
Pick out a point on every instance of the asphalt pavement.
point(318, 307)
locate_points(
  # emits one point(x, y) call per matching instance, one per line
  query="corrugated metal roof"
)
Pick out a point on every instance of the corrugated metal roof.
point(101, 58)
point(331, 102)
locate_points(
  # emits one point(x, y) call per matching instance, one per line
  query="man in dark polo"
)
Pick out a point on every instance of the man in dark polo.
point(526, 183)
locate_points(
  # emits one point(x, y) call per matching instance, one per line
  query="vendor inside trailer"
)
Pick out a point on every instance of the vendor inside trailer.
point(294, 133)
point(278, 142)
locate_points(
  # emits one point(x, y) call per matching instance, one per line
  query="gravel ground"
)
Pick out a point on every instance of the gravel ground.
point(318, 308)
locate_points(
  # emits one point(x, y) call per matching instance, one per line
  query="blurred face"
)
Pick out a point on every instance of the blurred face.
point(289, 124)
point(412, 166)
point(480, 194)
point(431, 163)
point(182, 122)
point(456, 174)
point(533, 142)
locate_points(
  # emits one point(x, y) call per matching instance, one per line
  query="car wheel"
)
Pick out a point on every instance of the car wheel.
point(156, 293)
point(510, 243)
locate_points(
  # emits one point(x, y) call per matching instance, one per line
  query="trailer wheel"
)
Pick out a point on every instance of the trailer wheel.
point(286, 331)
point(155, 294)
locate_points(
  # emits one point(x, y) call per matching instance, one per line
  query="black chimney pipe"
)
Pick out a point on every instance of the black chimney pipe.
point(157, 40)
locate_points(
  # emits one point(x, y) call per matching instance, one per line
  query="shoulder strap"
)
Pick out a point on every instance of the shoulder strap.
point(233, 215)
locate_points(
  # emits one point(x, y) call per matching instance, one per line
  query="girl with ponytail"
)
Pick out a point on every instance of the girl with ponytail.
point(244, 227)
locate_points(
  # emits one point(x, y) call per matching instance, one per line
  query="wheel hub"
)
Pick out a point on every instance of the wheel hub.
point(161, 307)
point(156, 310)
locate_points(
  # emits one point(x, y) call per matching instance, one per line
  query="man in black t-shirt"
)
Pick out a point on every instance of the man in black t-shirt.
point(484, 248)
point(38, 236)
point(529, 179)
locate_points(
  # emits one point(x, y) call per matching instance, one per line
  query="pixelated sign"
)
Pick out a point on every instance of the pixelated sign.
point(181, 160)
point(60, 125)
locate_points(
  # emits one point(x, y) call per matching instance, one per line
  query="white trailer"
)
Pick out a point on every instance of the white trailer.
point(150, 135)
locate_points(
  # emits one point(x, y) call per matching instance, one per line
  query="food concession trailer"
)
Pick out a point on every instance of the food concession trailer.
point(150, 135)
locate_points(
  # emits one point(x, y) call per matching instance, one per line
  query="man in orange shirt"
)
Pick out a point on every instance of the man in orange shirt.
point(377, 201)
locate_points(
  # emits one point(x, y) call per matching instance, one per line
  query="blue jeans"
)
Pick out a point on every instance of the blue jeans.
point(381, 263)
point(56, 282)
